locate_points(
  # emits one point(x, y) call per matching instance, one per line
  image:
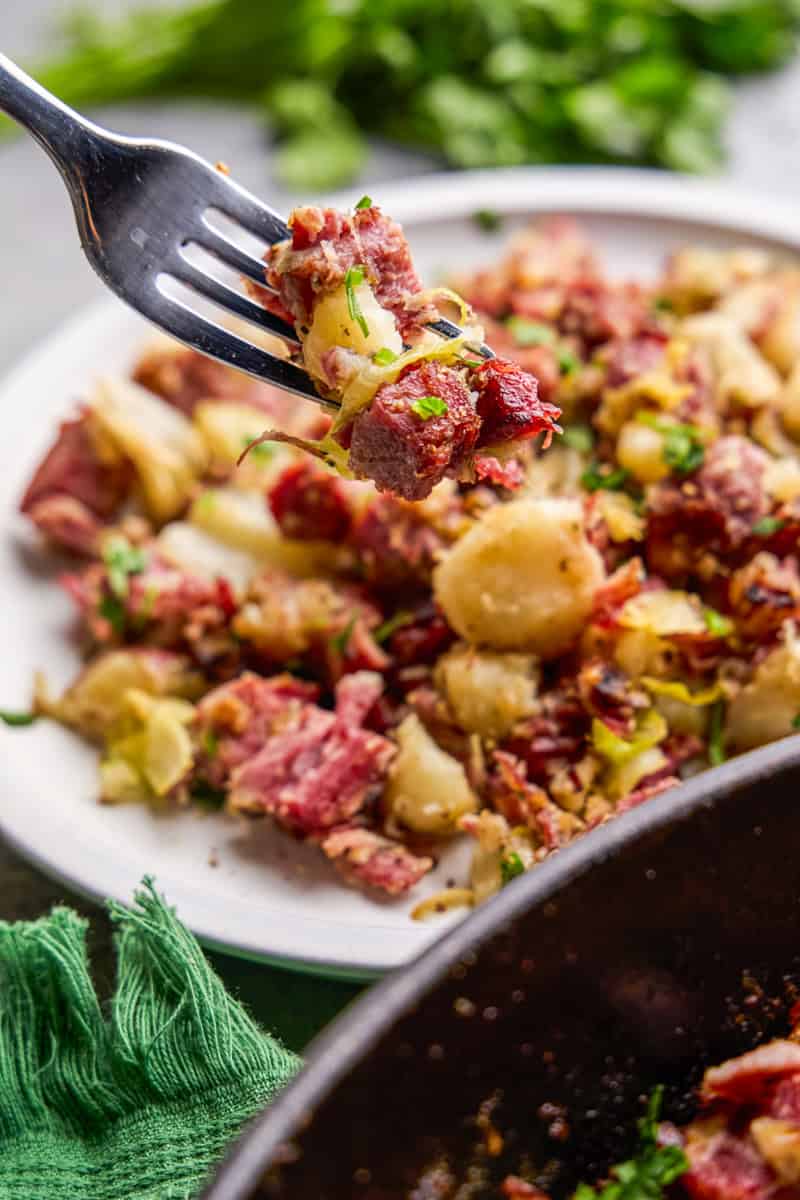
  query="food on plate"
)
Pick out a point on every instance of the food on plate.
point(743, 1143)
point(414, 407)
point(520, 664)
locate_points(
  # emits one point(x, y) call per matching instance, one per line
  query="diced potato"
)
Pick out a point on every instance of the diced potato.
point(782, 479)
point(487, 692)
point(780, 340)
point(168, 753)
point(663, 612)
point(790, 404)
point(193, 550)
point(620, 515)
point(332, 325)
point(165, 449)
point(427, 790)
point(227, 430)
point(765, 708)
point(523, 578)
point(640, 449)
point(778, 1142)
point(699, 275)
point(742, 375)
point(97, 699)
point(640, 652)
point(242, 521)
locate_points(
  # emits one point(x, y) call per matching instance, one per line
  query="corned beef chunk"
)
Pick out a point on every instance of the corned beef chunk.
point(325, 243)
point(310, 503)
point(508, 404)
point(415, 432)
point(367, 858)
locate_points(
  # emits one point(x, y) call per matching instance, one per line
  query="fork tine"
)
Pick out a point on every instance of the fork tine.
point(194, 330)
point(251, 213)
point(227, 297)
point(230, 254)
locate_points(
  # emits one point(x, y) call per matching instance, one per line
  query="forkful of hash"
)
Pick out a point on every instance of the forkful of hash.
point(329, 307)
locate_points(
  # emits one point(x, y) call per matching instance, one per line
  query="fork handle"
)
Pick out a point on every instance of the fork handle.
point(67, 137)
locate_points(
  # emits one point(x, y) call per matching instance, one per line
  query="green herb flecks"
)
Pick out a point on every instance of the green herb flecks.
point(353, 279)
point(511, 865)
point(211, 743)
point(340, 641)
point(796, 721)
point(17, 719)
point(530, 333)
point(567, 361)
point(651, 1170)
point(206, 796)
point(767, 526)
point(579, 437)
point(429, 406)
point(663, 304)
point(602, 477)
point(122, 560)
point(488, 220)
point(365, 202)
point(391, 625)
point(683, 450)
point(716, 734)
point(112, 609)
point(384, 357)
point(716, 624)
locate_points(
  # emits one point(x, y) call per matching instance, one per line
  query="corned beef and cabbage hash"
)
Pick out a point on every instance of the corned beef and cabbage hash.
point(504, 640)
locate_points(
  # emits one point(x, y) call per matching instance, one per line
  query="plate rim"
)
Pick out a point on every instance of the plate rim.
point(587, 190)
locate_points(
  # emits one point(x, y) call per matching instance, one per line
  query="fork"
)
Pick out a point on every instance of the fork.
point(141, 207)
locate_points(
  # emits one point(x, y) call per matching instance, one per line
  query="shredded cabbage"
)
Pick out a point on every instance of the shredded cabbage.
point(679, 691)
point(651, 728)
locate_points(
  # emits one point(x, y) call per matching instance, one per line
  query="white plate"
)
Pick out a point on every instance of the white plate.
point(269, 898)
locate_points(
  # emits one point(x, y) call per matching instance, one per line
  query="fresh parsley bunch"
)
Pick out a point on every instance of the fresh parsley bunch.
point(649, 1172)
point(482, 84)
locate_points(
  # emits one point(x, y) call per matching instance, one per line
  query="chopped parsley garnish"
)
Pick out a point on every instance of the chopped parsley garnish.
point(389, 626)
point(487, 219)
point(262, 451)
point(354, 277)
point(601, 477)
point(683, 451)
point(511, 865)
point(207, 796)
point(796, 721)
point(579, 437)
point(716, 624)
point(112, 610)
point(716, 735)
point(122, 560)
point(567, 361)
point(211, 743)
point(340, 641)
point(429, 406)
point(17, 719)
point(683, 448)
point(767, 526)
point(530, 333)
point(663, 304)
point(384, 357)
point(652, 1169)
point(365, 202)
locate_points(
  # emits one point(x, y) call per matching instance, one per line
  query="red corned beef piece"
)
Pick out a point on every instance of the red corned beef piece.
point(490, 470)
point(628, 358)
point(325, 243)
point(72, 492)
point(395, 542)
point(356, 694)
point(785, 1102)
point(315, 776)
point(185, 378)
point(369, 859)
point(508, 404)
point(726, 1167)
point(235, 720)
point(407, 453)
point(309, 503)
point(321, 770)
point(514, 1188)
point(763, 594)
point(750, 1078)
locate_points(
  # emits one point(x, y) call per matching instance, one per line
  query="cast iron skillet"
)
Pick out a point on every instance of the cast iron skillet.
point(666, 940)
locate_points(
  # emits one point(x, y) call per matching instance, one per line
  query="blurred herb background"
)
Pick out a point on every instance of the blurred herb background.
point(481, 82)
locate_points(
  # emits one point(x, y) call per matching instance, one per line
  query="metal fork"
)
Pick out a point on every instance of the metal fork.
point(141, 206)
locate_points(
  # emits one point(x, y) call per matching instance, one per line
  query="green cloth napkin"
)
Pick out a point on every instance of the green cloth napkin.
point(136, 1105)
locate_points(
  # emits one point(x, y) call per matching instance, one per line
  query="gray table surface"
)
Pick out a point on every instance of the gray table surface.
point(45, 279)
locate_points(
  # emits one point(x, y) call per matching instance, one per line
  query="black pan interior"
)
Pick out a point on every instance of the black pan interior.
point(663, 943)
